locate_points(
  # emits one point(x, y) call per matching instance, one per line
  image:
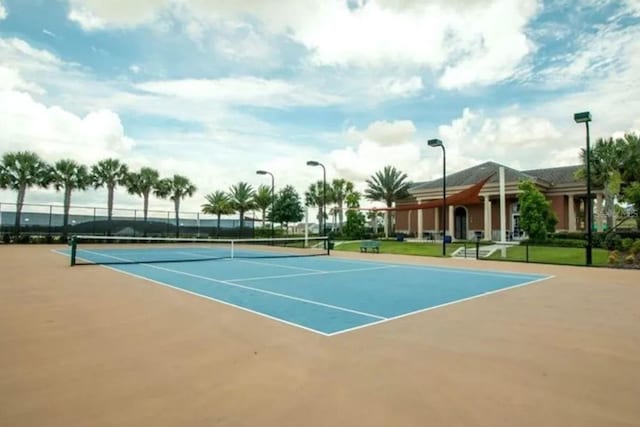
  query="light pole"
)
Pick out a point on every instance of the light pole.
point(439, 143)
point(324, 193)
point(273, 197)
point(585, 117)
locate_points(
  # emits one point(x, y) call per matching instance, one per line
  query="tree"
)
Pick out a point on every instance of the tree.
point(355, 225)
point(340, 190)
point(263, 199)
point(176, 188)
point(109, 173)
point(334, 212)
point(537, 218)
point(388, 185)
point(632, 195)
point(315, 197)
point(630, 158)
point(218, 204)
point(353, 200)
point(605, 158)
point(142, 184)
point(242, 200)
point(20, 171)
point(68, 175)
point(287, 207)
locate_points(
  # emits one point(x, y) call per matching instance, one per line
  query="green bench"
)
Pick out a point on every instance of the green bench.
point(374, 245)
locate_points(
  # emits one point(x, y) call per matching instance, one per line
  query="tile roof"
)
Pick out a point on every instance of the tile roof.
point(472, 175)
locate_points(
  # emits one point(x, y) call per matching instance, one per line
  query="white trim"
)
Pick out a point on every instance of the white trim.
point(284, 276)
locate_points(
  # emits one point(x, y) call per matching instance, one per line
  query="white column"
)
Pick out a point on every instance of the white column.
point(599, 212)
point(503, 213)
point(572, 213)
point(420, 225)
point(450, 220)
point(409, 222)
point(437, 227)
point(503, 208)
point(487, 218)
point(386, 224)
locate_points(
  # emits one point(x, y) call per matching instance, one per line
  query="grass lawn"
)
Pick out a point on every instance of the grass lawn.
point(403, 248)
point(553, 255)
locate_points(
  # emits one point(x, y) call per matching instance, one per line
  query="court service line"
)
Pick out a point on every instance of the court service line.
point(253, 262)
point(422, 310)
point(224, 282)
point(319, 273)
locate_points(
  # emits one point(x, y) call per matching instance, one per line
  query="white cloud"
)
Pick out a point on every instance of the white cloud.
point(385, 133)
point(3, 12)
point(55, 133)
point(240, 91)
point(11, 79)
point(463, 38)
point(135, 69)
point(400, 87)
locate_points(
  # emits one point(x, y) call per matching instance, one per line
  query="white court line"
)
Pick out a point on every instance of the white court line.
point(493, 273)
point(422, 310)
point(224, 282)
point(319, 273)
point(157, 282)
point(278, 265)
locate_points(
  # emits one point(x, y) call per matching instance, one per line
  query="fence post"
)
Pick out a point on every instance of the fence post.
point(478, 246)
point(73, 243)
point(527, 251)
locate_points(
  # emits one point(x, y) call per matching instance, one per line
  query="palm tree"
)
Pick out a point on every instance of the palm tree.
point(219, 204)
point(242, 200)
point(109, 173)
point(263, 200)
point(353, 200)
point(606, 156)
point(68, 175)
point(22, 170)
point(340, 189)
point(314, 197)
point(176, 188)
point(142, 184)
point(388, 185)
point(334, 212)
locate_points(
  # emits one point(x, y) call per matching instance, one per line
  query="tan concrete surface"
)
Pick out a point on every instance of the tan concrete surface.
point(88, 346)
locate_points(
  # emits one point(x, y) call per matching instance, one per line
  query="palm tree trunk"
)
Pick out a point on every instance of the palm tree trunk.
point(19, 203)
point(340, 213)
point(67, 206)
point(609, 209)
point(389, 221)
point(145, 207)
point(110, 190)
point(218, 227)
point(176, 204)
point(241, 222)
point(264, 211)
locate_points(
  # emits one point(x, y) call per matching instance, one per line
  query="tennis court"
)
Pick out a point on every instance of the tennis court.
point(107, 345)
point(318, 293)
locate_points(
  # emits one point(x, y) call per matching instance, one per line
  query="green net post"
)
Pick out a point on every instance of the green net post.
point(74, 245)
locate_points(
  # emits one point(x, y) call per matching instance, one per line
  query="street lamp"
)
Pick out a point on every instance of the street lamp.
point(324, 193)
point(585, 117)
point(439, 143)
point(273, 197)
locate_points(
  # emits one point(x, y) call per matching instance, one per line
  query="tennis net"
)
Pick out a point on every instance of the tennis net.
point(145, 250)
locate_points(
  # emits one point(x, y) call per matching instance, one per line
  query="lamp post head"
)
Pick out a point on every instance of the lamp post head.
point(435, 143)
point(261, 172)
point(583, 117)
point(312, 163)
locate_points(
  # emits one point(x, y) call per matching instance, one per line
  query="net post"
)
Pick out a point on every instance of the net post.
point(74, 246)
point(232, 250)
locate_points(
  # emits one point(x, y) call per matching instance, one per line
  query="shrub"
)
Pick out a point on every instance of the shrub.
point(6, 238)
point(613, 241)
point(630, 259)
point(626, 244)
point(614, 258)
point(635, 247)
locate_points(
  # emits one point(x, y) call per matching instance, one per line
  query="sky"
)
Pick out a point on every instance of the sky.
point(215, 90)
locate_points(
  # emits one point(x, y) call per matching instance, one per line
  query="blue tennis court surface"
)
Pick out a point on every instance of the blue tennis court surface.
point(327, 295)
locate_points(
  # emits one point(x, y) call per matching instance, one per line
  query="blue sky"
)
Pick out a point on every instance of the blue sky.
point(215, 90)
